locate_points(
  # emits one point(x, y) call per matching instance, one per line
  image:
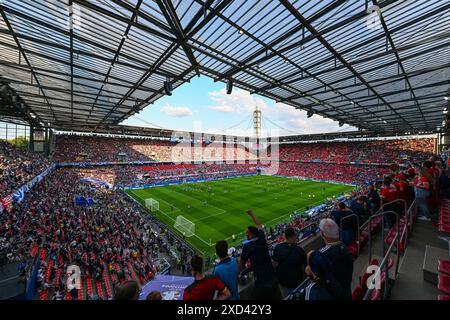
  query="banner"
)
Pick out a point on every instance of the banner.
point(170, 287)
point(19, 195)
point(82, 201)
point(97, 182)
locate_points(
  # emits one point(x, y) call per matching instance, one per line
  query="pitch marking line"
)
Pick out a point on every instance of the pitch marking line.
point(168, 216)
point(197, 200)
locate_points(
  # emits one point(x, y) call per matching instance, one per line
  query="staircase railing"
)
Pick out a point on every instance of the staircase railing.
point(384, 265)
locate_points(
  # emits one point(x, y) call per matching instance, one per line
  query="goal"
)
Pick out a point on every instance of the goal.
point(186, 227)
point(152, 204)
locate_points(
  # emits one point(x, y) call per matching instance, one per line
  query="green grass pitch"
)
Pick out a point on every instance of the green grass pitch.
point(217, 208)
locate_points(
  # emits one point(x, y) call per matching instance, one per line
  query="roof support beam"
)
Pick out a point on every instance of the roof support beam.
point(325, 43)
point(168, 53)
point(399, 60)
point(123, 19)
point(22, 52)
point(247, 63)
point(362, 44)
point(172, 19)
point(116, 55)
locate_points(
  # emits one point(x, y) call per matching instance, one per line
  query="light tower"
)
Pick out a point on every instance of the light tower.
point(257, 122)
point(257, 127)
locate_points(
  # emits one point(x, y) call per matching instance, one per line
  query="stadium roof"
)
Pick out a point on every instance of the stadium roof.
point(95, 63)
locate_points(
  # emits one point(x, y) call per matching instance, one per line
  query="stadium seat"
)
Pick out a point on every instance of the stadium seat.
point(353, 249)
point(43, 295)
point(90, 292)
point(376, 295)
point(444, 266)
point(99, 288)
point(34, 250)
point(443, 297)
point(444, 283)
point(58, 274)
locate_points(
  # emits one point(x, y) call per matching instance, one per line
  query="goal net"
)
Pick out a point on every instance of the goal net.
point(152, 204)
point(186, 227)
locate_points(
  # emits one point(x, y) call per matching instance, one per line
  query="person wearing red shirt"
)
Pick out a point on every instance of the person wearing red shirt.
point(388, 196)
point(204, 287)
point(402, 186)
point(422, 188)
point(411, 172)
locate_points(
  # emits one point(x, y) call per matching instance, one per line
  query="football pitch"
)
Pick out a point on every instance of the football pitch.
point(217, 208)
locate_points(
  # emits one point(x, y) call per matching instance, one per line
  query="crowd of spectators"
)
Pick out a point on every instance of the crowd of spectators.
point(369, 151)
point(352, 174)
point(73, 148)
point(114, 245)
point(17, 167)
point(110, 240)
point(141, 175)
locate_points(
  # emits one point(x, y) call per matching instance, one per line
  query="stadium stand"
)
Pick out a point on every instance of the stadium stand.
point(112, 250)
point(72, 73)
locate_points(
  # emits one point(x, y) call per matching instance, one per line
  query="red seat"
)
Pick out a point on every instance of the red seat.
point(444, 283)
point(444, 228)
point(353, 249)
point(443, 297)
point(444, 266)
point(358, 293)
point(376, 295)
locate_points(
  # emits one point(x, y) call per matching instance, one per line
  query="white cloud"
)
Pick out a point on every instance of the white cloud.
point(223, 108)
point(293, 121)
point(239, 101)
point(176, 111)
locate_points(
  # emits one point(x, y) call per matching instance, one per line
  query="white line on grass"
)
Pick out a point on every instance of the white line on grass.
point(195, 235)
point(209, 205)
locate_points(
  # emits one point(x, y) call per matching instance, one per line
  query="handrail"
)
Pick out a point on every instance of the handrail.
point(382, 207)
point(290, 296)
point(382, 214)
point(377, 214)
point(384, 264)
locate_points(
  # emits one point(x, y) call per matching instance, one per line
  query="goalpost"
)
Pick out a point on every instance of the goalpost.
point(186, 227)
point(152, 204)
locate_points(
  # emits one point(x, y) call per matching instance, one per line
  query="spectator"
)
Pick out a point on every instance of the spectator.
point(128, 290)
point(227, 269)
point(321, 283)
point(422, 188)
point(373, 198)
point(358, 207)
point(336, 252)
point(289, 260)
point(389, 195)
point(256, 251)
point(204, 287)
point(346, 221)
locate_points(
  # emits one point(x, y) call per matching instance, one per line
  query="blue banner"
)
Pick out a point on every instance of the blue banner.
point(19, 195)
point(97, 182)
point(170, 287)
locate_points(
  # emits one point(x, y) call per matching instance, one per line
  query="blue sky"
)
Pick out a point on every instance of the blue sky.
point(203, 105)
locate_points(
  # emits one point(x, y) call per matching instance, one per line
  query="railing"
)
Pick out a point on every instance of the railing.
point(385, 262)
point(396, 238)
point(383, 267)
point(378, 214)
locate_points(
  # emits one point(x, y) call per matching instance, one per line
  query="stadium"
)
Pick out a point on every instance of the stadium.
point(320, 171)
